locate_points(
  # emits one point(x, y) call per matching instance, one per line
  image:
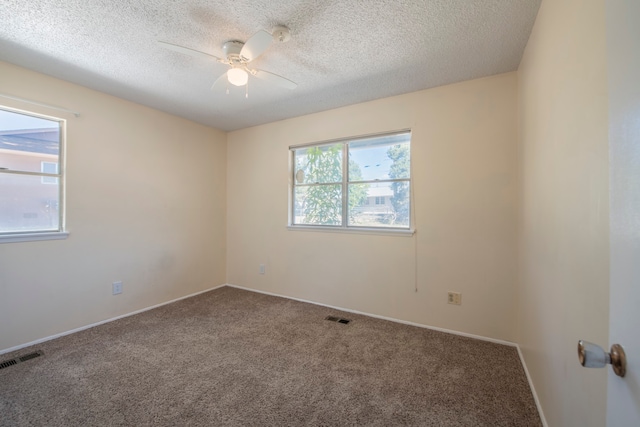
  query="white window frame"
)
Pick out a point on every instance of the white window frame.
point(345, 227)
point(35, 235)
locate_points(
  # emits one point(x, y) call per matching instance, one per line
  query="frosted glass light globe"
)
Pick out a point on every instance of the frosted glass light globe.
point(237, 76)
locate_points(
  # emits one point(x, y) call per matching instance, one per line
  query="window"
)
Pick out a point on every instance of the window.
point(31, 190)
point(49, 168)
point(370, 190)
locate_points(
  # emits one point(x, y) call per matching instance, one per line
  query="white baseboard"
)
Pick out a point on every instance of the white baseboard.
point(533, 389)
point(82, 328)
point(420, 325)
point(391, 319)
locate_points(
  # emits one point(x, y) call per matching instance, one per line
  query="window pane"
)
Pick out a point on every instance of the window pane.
point(386, 157)
point(318, 205)
point(26, 141)
point(379, 204)
point(49, 167)
point(318, 164)
point(26, 204)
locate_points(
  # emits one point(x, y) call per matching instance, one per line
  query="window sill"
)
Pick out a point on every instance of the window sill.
point(32, 237)
point(354, 230)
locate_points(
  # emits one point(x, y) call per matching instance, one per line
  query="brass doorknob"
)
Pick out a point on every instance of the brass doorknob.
point(593, 356)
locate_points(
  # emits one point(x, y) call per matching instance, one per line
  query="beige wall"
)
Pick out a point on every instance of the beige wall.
point(563, 224)
point(464, 178)
point(145, 204)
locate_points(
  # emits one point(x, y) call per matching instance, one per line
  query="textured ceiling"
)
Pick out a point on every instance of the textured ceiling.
point(341, 52)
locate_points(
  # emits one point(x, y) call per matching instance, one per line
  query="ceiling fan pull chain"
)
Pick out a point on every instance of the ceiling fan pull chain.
point(246, 90)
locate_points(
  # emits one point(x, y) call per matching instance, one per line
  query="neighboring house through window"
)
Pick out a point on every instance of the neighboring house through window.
point(31, 173)
point(370, 190)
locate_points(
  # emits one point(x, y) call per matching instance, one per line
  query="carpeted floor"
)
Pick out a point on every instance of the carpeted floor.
point(231, 357)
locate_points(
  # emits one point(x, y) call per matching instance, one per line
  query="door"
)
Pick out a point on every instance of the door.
point(623, 47)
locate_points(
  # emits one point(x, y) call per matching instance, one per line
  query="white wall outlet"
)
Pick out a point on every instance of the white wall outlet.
point(262, 268)
point(454, 298)
point(116, 288)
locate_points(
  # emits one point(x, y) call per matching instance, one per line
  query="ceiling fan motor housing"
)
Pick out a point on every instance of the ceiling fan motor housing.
point(232, 49)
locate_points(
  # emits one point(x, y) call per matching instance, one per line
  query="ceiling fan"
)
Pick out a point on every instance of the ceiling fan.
point(238, 55)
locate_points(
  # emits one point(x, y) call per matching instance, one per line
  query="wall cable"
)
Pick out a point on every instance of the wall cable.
point(40, 104)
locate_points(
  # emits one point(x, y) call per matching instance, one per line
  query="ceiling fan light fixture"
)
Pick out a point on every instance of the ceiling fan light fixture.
point(237, 76)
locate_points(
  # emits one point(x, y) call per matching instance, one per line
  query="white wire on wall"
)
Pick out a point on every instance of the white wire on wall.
point(40, 104)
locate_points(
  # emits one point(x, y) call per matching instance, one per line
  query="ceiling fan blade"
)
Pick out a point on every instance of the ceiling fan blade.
point(220, 82)
point(187, 51)
point(274, 78)
point(258, 43)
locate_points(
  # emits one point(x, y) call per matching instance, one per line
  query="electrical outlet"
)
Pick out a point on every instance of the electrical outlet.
point(116, 288)
point(454, 298)
point(262, 269)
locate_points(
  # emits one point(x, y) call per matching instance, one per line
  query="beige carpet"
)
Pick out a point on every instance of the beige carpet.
point(232, 357)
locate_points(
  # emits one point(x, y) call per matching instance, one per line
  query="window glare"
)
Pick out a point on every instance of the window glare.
point(10, 120)
point(27, 204)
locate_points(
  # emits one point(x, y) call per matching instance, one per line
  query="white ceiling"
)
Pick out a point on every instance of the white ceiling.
point(341, 51)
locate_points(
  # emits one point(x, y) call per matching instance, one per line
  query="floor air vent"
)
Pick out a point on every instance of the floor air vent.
point(7, 363)
point(11, 362)
point(337, 319)
point(30, 356)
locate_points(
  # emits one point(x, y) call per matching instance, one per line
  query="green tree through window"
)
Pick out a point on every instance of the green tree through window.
point(400, 166)
point(323, 202)
point(378, 169)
